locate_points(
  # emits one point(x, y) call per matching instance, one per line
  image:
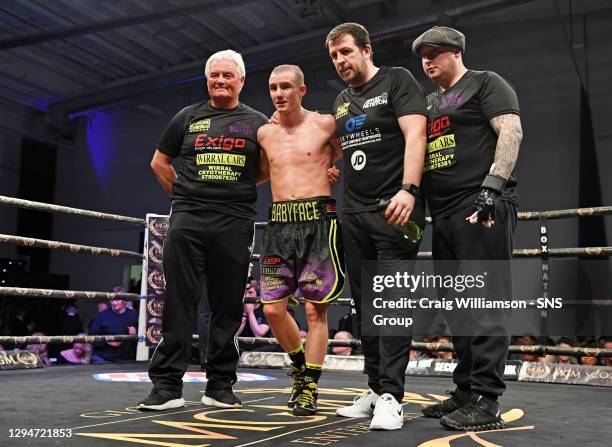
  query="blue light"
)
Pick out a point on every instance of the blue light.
point(102, 142)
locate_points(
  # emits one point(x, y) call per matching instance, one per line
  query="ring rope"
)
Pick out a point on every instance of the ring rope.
point(527, 252)
point(66, 294)
point(74, 248)
point(65, 339)
point(40, 206)
point(416, 346)
point(559, 214)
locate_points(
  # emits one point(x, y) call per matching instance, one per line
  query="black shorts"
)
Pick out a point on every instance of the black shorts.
point(302, 251)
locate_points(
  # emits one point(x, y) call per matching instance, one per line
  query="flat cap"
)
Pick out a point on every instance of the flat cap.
point(439, 36)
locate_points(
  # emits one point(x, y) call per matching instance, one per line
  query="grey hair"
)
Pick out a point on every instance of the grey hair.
point(226, 55)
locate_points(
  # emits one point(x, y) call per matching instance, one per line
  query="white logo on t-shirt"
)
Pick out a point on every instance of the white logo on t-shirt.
point(358, 160)
point(376, 101)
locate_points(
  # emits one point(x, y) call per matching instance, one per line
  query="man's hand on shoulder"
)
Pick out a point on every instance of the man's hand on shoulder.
point(274, 119)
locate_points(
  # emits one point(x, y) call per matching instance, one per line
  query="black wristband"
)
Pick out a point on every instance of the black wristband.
point(494, 182)
point(412, 189)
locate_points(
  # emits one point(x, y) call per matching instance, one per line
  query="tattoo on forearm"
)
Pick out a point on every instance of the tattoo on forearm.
point(509, 135)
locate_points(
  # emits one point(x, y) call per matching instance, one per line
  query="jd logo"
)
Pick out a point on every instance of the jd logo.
point(358, 160)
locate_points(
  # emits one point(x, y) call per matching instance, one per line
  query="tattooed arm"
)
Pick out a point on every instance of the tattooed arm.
point(509, 134)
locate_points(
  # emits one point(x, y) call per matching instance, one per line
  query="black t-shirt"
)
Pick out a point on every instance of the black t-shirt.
point(372, 141)
point(461, 142)
point(219, 161)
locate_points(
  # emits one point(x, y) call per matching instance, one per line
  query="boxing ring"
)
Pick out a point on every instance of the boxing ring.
point(94, 405)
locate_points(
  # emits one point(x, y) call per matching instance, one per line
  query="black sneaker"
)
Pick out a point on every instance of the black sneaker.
point(457, 400)
point(477, 415)
point(298, 384)
point(161, 400)
point(306, 404)
point(221, 397)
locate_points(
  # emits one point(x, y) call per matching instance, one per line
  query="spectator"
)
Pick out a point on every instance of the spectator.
point(527, 340)
point(607, 344)
point(18, 327)
point(69, 322)
point(120, 289)
point(342, 350)
point(254, 323)
point(443, 354)
point(40, 349)
point(80, 353)
point(118, 320)
point(346, 322)
point(565, 342)
point(102, 307)
point(589, 360)
point(548, 359)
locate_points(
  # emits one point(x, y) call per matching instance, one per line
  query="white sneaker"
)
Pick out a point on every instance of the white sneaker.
point(388, 414)
point(363, 406)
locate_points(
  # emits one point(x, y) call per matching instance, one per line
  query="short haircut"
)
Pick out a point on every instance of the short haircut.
point(297, 72)
point(226, 55)
point(359, 33)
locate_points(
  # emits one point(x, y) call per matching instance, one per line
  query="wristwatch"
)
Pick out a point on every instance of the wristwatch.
point(412, 189)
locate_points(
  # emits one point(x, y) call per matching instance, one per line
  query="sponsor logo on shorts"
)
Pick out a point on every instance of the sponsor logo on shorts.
point(271, 260)
point(342, 110)
point(376, 101)
point(295, 212)
point(199, 126)
point(358, 160)
point(272, 271)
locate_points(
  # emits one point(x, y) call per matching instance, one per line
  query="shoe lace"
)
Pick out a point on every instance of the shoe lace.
point(306, 398)
point(298, 380)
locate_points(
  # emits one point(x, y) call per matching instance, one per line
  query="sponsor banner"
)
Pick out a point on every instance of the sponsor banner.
point(198, 377)
point(445, 368)
point(19, 360)
point(561, 373)
point(154, 276)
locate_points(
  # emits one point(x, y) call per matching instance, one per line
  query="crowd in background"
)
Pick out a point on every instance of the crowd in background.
point(119, 317)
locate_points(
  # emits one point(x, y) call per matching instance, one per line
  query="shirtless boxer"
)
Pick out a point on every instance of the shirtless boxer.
point(302, 245)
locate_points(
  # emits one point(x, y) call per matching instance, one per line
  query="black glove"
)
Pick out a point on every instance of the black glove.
point(488, 197)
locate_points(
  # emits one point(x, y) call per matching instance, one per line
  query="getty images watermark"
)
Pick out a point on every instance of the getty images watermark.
point(467, 298)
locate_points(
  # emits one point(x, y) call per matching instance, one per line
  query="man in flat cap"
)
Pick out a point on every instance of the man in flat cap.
point(473, 137)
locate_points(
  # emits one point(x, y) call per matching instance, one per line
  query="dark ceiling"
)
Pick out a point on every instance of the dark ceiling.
point(68, 56)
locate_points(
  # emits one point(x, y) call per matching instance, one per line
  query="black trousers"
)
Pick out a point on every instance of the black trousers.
point(367, 236)
point(218, 246)
point(204, 315)
point(482, 359)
